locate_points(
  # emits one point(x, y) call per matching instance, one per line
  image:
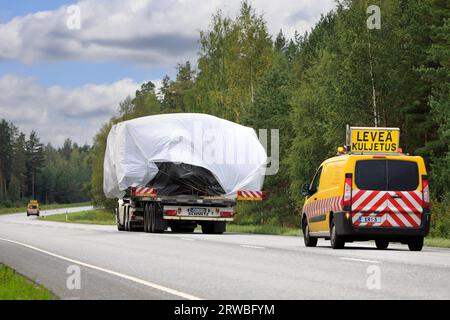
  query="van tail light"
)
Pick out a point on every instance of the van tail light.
point(425, 194)
point(347, 200)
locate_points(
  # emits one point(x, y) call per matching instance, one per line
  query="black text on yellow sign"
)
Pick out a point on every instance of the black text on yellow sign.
point(372, 140)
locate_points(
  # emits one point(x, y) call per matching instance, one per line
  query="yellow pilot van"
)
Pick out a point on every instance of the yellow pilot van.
point(369, 191)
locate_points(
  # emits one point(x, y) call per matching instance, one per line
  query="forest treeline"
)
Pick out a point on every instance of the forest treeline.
point(30, 170)
point(311, 86)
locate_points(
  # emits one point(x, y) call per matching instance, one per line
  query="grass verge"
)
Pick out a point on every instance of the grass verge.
point(100, 216)
point(264, 229)
point(45, 207)
point(14, 286)
point(97, 216)
point(437, 242)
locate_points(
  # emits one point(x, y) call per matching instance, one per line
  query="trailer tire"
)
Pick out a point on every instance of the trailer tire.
point(150, 219)
point(120, 227)
point(146, 218)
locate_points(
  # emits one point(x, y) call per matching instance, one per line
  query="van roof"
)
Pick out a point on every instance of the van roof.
point(345, 157)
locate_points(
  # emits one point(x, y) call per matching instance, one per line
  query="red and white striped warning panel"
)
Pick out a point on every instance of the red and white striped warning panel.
point(143, 192)
point(387, 208)
point(323, 206)
point(251, 195)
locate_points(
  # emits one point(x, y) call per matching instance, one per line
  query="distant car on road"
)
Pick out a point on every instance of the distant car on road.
point(33, 208)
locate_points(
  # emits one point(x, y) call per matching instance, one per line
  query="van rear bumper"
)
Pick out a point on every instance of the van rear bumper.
point(345, 228)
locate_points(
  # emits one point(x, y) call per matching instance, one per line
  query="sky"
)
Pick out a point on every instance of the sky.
point(66, 65)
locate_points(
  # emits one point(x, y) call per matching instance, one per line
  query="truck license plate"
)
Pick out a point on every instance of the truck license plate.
point(369, 219)
point(197, 212)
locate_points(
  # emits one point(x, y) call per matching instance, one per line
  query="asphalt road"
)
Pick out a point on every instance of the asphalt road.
point(136, 265)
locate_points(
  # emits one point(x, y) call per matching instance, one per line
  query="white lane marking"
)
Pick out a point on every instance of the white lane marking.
point(253, 247)
point(187, 239)
point(360, 260)
point(118, 274)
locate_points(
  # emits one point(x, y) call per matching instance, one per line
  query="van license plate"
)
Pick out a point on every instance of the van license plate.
point(197, 212)
point(370, 219)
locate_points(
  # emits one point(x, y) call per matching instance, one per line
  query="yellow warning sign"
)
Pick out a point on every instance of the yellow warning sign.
point(374, 139)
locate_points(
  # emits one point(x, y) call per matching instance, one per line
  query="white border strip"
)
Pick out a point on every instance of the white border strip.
point(117, 274)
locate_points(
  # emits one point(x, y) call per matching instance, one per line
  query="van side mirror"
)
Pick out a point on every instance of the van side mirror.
point(305, 190)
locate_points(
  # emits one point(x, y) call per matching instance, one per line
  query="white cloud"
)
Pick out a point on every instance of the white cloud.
point(140, 32)
point(152, 33)
point(57, 113)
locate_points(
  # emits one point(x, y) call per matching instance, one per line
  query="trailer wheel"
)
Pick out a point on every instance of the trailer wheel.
point(146, 229)
point(127, 222)
point(120, 227)
point(150, 219)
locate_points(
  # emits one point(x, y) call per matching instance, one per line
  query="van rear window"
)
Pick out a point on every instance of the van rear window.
point(386, 175)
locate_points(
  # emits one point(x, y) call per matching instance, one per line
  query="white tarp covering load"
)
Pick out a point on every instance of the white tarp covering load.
point(231, 152)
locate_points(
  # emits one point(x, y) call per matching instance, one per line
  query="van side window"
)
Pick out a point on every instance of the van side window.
point(315, 183)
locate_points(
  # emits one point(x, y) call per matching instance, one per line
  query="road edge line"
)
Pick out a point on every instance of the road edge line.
point(115, 273)
point(359, 260)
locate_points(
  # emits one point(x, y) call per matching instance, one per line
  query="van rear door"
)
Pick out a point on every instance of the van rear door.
point(387, 194)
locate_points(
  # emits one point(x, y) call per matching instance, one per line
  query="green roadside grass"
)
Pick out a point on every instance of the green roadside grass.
point(96, 216)
point(103, 217)
point(14, 286)
point(264, 229)
point(437, 242)
point(45, 207)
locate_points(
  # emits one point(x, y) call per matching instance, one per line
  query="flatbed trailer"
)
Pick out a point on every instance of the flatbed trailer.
point(142, 209)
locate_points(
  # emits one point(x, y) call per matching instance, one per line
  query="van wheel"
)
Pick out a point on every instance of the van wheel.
point(415, 244)
point(309, 241)
point(381, 244)
point(337, 242)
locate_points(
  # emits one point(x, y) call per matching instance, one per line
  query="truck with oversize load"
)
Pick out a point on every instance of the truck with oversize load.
point(181, 170)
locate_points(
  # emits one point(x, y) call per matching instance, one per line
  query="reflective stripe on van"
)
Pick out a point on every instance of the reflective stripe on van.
point(387, 208)
point(323, 206)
